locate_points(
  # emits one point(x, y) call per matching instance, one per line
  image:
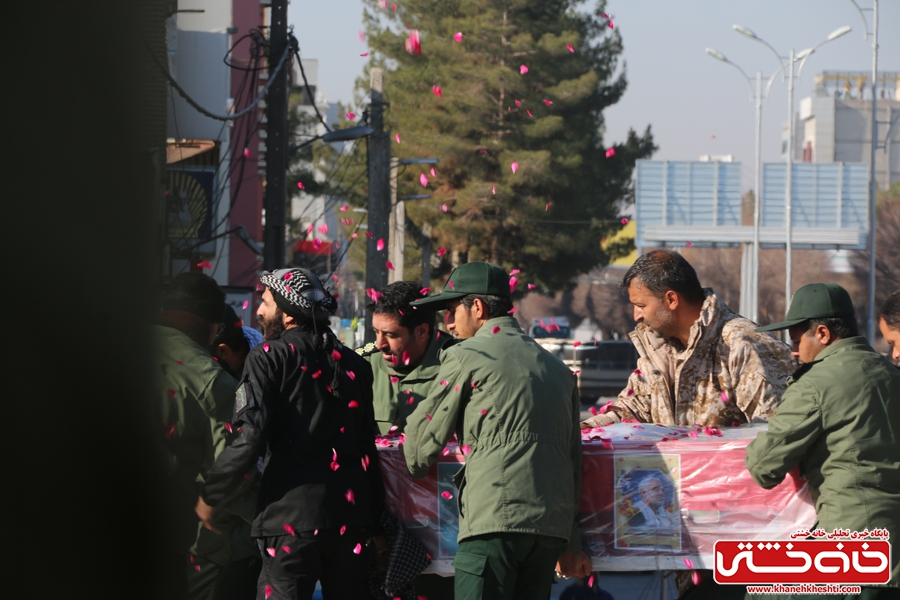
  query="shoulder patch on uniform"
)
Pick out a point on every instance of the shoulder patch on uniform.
point(240, 399)
point(367, 349)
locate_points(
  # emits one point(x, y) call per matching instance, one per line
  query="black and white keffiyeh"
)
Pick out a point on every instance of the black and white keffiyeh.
point(299, 290)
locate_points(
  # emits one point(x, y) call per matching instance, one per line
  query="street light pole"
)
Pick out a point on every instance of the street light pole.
point(757, 203)
point(788, 190)
point(870, 324)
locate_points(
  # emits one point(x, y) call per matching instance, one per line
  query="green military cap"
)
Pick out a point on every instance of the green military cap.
point(815, 301)
point(471, 278)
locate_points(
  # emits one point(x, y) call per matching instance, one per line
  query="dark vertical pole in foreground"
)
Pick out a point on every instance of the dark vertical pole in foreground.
point(276, 142)
point(379, 195)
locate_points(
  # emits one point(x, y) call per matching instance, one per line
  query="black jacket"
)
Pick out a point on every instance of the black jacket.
point(300, 406)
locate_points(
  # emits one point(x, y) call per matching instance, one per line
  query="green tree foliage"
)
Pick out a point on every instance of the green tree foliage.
point(473, 105)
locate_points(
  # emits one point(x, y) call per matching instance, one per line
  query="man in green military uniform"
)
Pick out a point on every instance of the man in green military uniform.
point(839, 421)
point(196, 400)
point(404, 355)
point(405, 361)
point(515, 409)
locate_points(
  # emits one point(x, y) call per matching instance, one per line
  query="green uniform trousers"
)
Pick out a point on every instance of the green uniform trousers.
point(506, 566)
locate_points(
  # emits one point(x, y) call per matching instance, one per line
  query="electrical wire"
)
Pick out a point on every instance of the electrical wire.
point(295, 46)
point(205, 112)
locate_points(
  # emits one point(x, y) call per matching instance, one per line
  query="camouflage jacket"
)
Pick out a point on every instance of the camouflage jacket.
point(727, 374)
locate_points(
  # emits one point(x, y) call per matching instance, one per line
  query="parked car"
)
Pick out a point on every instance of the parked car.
point(603, 368)
point(550, 327)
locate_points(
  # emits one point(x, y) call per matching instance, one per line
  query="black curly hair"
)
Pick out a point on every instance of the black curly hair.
point(394, 300)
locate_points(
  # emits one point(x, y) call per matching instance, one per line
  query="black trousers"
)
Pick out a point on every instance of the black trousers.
point(327, 557)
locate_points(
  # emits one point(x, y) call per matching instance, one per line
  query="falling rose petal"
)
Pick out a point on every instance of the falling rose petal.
point(523, 69)
point(547, 102)
point(529, 113)
point(323, 228)
point(289, 529)
point(441, 251)
point(695, 577)
point(351, 498)
point(512, 310)
point(427, 416)
point(335, 466)
point(229, 428)
point(405, 358)
point(724, 395)
point(170, 392)
point(362, 36)
point(514, 167)
point(410, 401)
point(483, 411)
point(606, 16)
point(344, 208)
point(531, 286)
point(357, 549)
point(445, 451)
point(452, 287)
point(389, 265)
point(379, 245)
point(414, 44)
point(351, 375)
point(292, 347)
point(605, 407)
point(713, 137)
point(590, 582)
point(494, 189)
point(397, 137)
point(693, 434)
point(444, 208)
point(512, 284)
point(436, 90)
point(395, 379)
point(610, 152)
point(365, 462)
point(364, 54)
point(300, 185)
point(466, 449)
point(350, 116)
point(353, 404)
point(308, 231)
point(204, 264)
point(569, 46)
point(444, 382)
point(317, 374)
point(593, 410)
point(576, 343)
point(517, 102)
point(268, 591)
point(423, 179)
point(354, 235)
point(432, 171)
point(624, 221)
point(246, 152)
point(688, 244)
point(495, 330)
point(688, 563)
point(474, 385)
point(456, 388)
point(266, 347)
point(515, 272)
point(335, 354)
point(736, 423)
point(446, 495)
point(458, 36)
point(271, 551)
point(343, 529)
point(424, 291)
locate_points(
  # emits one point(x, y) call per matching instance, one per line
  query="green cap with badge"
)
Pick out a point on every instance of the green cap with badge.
point(471, 278)
point(815, 301)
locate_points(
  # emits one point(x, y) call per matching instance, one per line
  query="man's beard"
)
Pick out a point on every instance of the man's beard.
point(273, 327)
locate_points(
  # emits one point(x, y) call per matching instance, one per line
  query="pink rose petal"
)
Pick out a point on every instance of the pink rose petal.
point(695, 577)
point(364, 54)
point(446, 495)
point(362, 35)
point(350, 116)
point(405, 358)
point(379, 245)
point(529, 113)
point(268, 591)
point(514, 167)
point(350, 497)
point(576, 343)
point(494, 189)
point(569, 46)
point(517, 102)
point(724, 395)
point(427, 416)
point(624, 221)
point(286, 549)
point(466, 449)
point(610, 152)
point(531, 286)
point(547, 102)
point(351, 375)
point(444, 208)
point(389, 265)
point(353, 404)
point(611, 24)
point(441, 251)
point(523, 69)
point(271, 551)
point(458, 36)
point(397, 137)
point(688, 563)
point(483, 411)
point(436, 90)
point(343, 530)
point(590, 582)
point(512, 310)
point(423, 179)
point(512, 284)
point(495, 330)
point(357, 549)
point(266, 347)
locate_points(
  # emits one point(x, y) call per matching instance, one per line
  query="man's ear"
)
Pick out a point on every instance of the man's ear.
point(420, 332)
point(479, 309)
point(823, 335)
point(223, 350)
point(671, 300)
point(287, 319)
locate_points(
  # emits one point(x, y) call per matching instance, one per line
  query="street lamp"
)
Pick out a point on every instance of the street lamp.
point(397, 238)
point(336, 135)
point(870, 324)
point(788, 189)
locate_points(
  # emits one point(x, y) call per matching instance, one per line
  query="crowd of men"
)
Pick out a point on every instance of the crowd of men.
point(274, 483)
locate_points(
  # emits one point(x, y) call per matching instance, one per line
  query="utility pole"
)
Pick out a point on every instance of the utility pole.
point(873, 185)
point(276, 141)
point(379, 206)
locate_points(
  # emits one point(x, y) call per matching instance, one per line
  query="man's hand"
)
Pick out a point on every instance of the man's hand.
point(206, 512)
point(598, 420)
point(574, 564)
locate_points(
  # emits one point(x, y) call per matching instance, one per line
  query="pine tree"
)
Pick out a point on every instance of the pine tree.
point(509, 96)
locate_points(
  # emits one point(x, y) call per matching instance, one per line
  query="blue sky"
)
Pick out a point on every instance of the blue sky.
point(674, 86)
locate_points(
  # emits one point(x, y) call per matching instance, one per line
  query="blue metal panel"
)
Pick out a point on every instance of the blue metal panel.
point(823, 195)
point(686, 193)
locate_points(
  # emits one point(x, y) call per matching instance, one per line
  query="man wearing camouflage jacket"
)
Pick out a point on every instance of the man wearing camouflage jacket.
point(700, 363)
